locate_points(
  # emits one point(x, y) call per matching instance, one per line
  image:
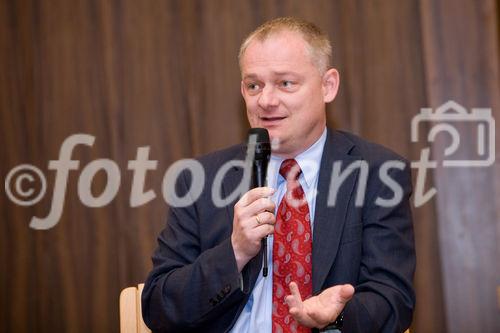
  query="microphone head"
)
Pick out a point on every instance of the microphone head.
point(262, 135)
point(262, 143)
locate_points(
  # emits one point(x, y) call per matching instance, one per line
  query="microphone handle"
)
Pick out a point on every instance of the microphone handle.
point(260, 179)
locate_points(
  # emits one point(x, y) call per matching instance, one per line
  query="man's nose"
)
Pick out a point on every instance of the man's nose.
point(268, 98)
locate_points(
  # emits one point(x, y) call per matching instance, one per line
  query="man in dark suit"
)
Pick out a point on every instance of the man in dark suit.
point(354, 274)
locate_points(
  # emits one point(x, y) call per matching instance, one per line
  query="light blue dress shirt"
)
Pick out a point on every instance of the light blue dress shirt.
point(257, 313)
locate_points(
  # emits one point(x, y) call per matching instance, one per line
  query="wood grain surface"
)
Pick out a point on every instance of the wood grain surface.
point(164, 74)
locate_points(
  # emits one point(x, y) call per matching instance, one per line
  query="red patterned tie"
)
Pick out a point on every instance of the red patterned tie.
point(292, 248)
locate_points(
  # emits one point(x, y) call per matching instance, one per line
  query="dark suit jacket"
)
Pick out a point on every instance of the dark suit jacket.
point(195, 285)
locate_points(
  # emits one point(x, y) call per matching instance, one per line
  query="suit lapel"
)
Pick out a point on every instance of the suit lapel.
point(329, 221)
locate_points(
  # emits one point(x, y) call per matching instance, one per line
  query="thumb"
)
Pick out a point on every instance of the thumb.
point(346, 292)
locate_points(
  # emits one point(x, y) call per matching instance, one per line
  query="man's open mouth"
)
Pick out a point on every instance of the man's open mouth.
point(271, 119)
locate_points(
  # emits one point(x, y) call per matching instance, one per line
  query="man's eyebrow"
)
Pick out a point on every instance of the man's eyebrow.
point(255, 76)
point(250, 76)
point(286, 73)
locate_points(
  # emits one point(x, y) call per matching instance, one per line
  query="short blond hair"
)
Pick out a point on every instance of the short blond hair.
point(320, 47)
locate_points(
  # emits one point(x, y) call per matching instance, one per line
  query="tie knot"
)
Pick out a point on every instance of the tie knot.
point(290, 169)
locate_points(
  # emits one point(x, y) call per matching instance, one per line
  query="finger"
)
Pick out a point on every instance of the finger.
point(262, 231)
point(345, 293)
point(293, 303)
point(260, 205)
point(294, 289)
point(247, 215)
point(254, 194)
point(296, 306)
point(265, 218)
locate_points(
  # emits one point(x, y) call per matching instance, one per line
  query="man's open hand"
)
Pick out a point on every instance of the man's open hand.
point(318, 311)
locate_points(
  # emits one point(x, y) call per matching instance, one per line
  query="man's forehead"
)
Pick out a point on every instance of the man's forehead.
point(275, 44)
point(282, 51)
point(274, 73)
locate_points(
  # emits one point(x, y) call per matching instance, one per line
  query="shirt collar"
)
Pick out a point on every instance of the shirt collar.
point(309, 161)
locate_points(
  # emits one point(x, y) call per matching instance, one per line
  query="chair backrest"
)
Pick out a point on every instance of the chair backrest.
point(498, 296)
point(130, 311)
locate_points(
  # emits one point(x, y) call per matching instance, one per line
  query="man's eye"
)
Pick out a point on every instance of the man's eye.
point(287, 84)
point(252, 86)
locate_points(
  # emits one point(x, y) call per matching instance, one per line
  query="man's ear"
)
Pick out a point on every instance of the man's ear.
point(331, 81)
point(242, 89)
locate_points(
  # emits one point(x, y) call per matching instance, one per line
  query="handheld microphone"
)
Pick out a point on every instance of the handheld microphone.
point(259, 171)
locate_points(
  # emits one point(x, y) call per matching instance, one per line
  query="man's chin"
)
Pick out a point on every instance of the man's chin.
point(275, 144)
point(278, 145)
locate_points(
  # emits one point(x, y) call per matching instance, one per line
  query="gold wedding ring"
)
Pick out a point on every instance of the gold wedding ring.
point(259, 222)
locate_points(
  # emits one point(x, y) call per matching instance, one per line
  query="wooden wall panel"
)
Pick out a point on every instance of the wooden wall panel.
point(164, 74)
point(461, 56)
point(17, 250)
